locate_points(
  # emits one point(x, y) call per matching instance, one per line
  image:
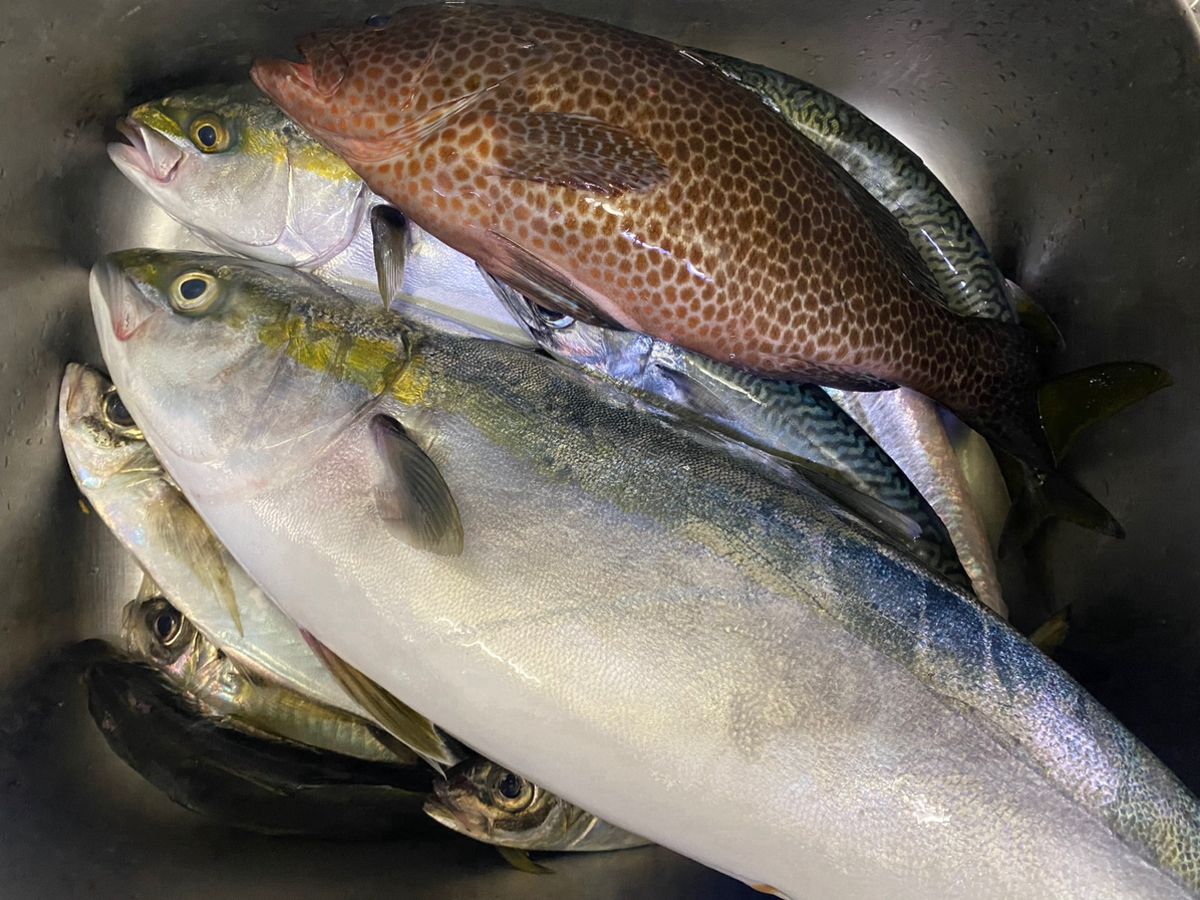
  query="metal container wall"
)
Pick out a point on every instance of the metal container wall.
point(1069, 131)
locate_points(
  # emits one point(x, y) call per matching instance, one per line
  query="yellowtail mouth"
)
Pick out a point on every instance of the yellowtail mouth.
point(146, 154)
point(128, 311)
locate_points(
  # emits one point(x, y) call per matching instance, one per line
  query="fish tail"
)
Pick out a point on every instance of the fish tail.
point(1069, 405)
point(998, 394)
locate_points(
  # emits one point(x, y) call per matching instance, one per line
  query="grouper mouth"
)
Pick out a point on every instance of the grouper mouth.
point(145, 154)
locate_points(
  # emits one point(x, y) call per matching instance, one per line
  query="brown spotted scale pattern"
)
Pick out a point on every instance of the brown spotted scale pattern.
point(618, 169)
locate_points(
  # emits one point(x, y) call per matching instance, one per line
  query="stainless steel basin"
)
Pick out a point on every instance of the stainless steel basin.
point(1068, 131)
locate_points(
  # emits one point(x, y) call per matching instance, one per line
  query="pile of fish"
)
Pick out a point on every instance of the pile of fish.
point(591, 441)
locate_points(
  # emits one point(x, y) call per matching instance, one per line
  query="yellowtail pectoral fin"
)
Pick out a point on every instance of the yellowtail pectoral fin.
point(522, 862)
point(577, 152)
point(415, 502)
point(402, 721)
point(1071, 403)
point(389, 241)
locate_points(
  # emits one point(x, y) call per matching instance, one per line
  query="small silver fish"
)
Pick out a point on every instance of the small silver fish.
point(158, 634)
point(491, 804)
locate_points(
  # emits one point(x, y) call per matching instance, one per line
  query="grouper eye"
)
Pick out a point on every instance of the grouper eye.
point(117, 417)
point(194, 292)
point(378, 21)
point(209, 133)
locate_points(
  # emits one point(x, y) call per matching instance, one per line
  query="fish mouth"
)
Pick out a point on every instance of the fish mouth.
point(442, 808)
point(77, 397)
point(112, 290)
point(147, 155)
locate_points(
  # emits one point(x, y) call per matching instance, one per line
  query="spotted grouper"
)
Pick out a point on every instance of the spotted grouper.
point(624, 179)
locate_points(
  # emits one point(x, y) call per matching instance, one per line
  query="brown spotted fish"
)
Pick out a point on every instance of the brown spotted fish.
point(622, 179)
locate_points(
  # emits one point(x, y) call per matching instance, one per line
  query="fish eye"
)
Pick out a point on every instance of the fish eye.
point(552, 318)
point(514, 792)
point(116, 417)
point(209, 134)
point(194, 292)
point(166, 623)
point(378, 21)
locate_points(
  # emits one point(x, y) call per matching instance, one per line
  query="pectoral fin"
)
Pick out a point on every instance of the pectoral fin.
point(537, 279)
point(415, 501)
point(577, 152)
point(389, 240)
point(400, 720)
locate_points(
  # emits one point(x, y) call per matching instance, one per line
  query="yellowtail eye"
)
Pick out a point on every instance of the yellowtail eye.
point(512, 792)
point(209, 133)
point(117, 418)
point(194, 292)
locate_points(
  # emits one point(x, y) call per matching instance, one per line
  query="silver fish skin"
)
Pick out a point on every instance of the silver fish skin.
point(266, 190)
point(487, 802)
point(793, 421)
point(155, 632)
point(912, 431)
point(722, 664)
point(124, 482)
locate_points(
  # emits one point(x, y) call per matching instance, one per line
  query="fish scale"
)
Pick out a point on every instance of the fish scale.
point(937, 226)
point(726, 232)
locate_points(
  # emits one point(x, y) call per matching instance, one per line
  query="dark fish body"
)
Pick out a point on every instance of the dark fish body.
point(613, 174)
point(248, 782)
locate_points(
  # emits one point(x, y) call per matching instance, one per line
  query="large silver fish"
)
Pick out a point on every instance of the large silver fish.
point(721, 663)
point(489, 803)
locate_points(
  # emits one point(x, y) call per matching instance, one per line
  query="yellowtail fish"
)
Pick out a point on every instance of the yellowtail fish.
point(716, 632)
